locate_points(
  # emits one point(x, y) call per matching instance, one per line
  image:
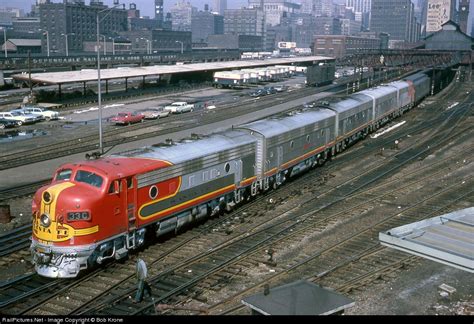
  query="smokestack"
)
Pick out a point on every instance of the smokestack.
point(206, 7)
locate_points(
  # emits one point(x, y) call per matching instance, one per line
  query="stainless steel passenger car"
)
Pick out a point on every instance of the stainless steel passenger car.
point(354, 116)
point(290, 144)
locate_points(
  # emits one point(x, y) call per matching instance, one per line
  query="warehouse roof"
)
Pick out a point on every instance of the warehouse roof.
point(131, 72)
point(447, 239)
point(298, 298)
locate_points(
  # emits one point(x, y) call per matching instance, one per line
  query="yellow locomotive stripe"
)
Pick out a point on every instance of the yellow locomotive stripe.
point(57, 232)
point(86, 231)
point(55, 190)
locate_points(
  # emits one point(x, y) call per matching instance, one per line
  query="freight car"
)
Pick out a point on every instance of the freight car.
point(319, 75)
point(101, 209)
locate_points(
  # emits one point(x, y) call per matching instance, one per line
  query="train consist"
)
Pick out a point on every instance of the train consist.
point(101, 209)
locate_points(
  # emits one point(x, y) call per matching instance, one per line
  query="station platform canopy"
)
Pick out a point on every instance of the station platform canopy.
point(88, 75)
point(448, 239)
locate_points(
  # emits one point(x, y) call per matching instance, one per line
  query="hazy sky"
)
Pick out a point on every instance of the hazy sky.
point(145, 6)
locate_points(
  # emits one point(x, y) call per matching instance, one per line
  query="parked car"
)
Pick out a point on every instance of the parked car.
point(47, 114)
point(269, 90)
point(258, 93)
point(281, 88)
point(23, 112)
point(4, 123)
point(179, 107)
point(127, 118)
point(155, 113)
point(309, 105)
point(18, 118)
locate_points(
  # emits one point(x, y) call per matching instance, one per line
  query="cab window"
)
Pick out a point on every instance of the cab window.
point(89, 178)
point(63, 174)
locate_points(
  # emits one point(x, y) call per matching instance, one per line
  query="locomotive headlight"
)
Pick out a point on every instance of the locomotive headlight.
point(47, 197)
point(45, 220)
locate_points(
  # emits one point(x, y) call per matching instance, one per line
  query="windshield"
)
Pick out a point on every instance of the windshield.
point(122, 115)
point(64, 174)
point(16, 113)
point(89, 178)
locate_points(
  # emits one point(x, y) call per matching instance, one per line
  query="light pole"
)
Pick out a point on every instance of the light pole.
point(148, 45)
point(67, 44)
point(99, 90)
point(181, 45)
point(105, 45)
point(47, 39)
point(5, 41)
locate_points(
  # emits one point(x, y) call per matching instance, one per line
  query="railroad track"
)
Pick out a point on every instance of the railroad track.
point(350, 155)
point(358, 259)
point(14, 240)
point(284, 187)
point(173, 272)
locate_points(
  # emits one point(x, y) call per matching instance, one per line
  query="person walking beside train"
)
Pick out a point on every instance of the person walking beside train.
point(143, 288)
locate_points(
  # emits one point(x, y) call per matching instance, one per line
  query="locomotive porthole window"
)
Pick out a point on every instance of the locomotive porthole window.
point(271, 154)
point(227, 167)
point(292, 143)
point(322, 132)
point(307, 138)
point(153, 192)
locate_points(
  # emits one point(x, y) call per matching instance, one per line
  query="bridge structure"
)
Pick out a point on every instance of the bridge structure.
point(410, 58)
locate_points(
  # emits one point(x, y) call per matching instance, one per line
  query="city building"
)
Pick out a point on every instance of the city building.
point(220, 6)
point(350, 27)
point(158, 40)
point(181, 14)
point(8, 14)
point(341, 45)
point(26, 25)
point(395, 17)
point(275, 10)
point(159, 12)
point(136, 22)
point(276, 34)
point(361, 10)
point(306, 26)
point(244, 22)
point(438, 12)
point(22, 46)
point(463, 15)
point(449, 38)
point(234, 41)
point(205, 23)
point(78, 20)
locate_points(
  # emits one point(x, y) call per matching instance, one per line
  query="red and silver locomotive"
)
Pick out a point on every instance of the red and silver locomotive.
point(101, 209)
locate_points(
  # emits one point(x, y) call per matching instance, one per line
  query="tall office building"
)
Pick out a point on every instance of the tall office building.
point(463, 15)
point(275, 10)
point(159, 12)
point(361, 10)
point(395, 17)
point(220, 6)
point(79, 19)
point(205, 23)
point(181, 14)
point(358, 5)
point(439, 12)
point(244, 22)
